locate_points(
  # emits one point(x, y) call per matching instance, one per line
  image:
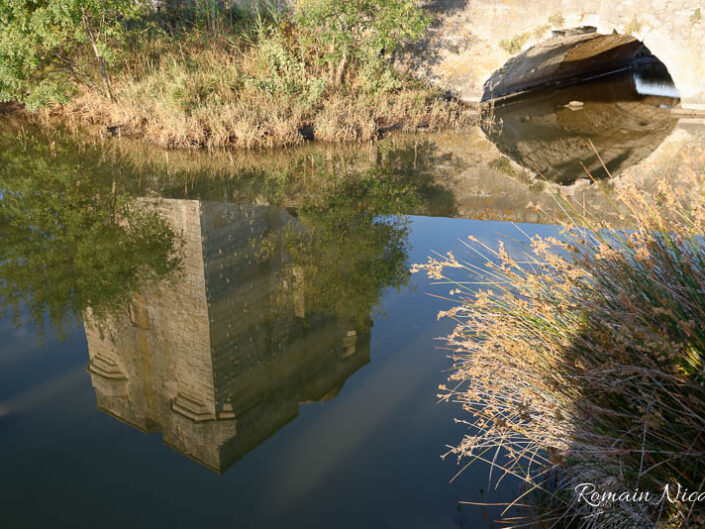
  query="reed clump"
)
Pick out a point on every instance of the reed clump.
point(583, 362)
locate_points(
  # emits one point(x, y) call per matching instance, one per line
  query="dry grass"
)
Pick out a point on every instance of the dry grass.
point(584, 362)
point(251, 89)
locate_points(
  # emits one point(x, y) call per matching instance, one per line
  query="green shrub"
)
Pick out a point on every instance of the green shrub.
point(198, 74)
point(556, 20)
point(360, 30)
point(515, 44)
point(39, 41)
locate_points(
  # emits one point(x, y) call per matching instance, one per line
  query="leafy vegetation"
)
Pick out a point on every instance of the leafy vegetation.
point(634, 26)
point(363, 31)
point(41, 38)
point(556, 20)
point(515, 44)
point(70, 241)
point(209, 73)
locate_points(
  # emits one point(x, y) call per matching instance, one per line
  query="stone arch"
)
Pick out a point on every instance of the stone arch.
point(569, 57)
point(674, 37)
point(475, 38)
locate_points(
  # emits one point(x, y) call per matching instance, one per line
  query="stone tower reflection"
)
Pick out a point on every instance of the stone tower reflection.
point(220, 358)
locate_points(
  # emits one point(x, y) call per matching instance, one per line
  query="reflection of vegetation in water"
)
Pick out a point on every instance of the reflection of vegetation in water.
point(286, 178)
point(351, 239)
point(586, 363)
point(503, 165)
point(355, 239)
point(347, 254)
point(343, 198)
point(68, 240)
point(405, 170)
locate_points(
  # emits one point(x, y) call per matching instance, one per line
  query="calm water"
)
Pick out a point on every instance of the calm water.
point(280, 367)
point(341, 435)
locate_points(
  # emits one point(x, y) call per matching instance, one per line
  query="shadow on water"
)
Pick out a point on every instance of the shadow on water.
point(543, 132)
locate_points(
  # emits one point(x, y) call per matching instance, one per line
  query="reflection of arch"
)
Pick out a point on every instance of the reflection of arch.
point(477, 37)
point(550, 139)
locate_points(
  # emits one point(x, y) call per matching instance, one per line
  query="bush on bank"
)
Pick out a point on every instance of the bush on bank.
point(210, 73)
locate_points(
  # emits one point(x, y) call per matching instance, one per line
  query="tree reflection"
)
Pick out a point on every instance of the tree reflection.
point(74, 236)
point(351, 255)
point(69, 240)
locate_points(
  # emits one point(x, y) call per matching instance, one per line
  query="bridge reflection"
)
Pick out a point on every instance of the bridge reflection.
point(220, 358)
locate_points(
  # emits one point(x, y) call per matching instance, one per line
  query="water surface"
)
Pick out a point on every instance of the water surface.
point(235, 339)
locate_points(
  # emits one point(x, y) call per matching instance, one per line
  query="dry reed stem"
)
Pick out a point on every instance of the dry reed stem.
point(584, 361)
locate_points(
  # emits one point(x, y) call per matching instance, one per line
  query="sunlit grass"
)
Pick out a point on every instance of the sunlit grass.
point(583, 362)
point(256, 83)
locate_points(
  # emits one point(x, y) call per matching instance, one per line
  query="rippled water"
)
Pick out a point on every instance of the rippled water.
point(235, 339)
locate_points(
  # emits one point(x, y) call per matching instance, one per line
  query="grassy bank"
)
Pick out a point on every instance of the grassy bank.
point(211, 74)
point(584, 362)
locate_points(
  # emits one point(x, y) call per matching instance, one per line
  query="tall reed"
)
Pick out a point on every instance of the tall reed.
point(583, 362)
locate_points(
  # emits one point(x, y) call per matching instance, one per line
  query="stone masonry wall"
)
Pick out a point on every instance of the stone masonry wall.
point(474, 38)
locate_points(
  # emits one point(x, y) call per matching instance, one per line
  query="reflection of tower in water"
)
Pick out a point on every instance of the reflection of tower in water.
point(220, 358)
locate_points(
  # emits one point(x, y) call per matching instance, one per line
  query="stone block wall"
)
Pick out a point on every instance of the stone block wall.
point(475, 38)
